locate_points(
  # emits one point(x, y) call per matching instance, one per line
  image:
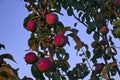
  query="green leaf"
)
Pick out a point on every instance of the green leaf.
point(88, 54)
point(33, 44)
point(96, 36)
point(56, 76)
point(8, 56)
point(62, 54)
point(106, 69)
point(70, 11)
point(116, 23)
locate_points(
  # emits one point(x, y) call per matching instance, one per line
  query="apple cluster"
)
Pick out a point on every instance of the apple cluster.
point(43, 64)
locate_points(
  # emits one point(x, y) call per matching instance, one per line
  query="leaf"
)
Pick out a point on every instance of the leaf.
point(32, 43)
point(88, 54)
point(8, 56)
point(56, 76)
point(2, 46)
point(116, 23)
point(70, 11)
point(79, 43)
point(106, 69)
point(96, 36)
point(75, 24)
point(74, 31)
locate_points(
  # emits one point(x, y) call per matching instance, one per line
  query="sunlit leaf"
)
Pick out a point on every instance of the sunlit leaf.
point(88, 54)
point(106, 69)
point(70, 11)
point(79, 43)
point(7, 73)
point(116, 23)
point(2, 46)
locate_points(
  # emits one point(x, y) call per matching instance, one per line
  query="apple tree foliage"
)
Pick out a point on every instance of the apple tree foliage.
point(96, 16)
point(93, 14)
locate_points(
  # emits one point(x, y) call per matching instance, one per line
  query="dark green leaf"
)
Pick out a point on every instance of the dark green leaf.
point(96, 36)
point(70, 11)
point(88, 54)
point(106, 68)
point(79, 43)
point(7, 56)
point(56, 76)
point(33, 44)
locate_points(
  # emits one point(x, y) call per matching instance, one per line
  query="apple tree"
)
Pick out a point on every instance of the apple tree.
point(47, 54)
point(48, 57)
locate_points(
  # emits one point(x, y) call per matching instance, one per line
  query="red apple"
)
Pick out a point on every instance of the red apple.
point(44, 64)
point(31, 25)
point(30, 58)
point(99, 66)
point(104, 30)
point(60, 40)
point(117, 3)
point(51, 18)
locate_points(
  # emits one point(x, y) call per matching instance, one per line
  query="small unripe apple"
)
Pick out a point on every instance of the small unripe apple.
point(31, 25)
point(51, 18)
point(99, 66)
point(44, 64)
point(60, 40)
point(117, 3)
point(30, 58)
point(104, 30)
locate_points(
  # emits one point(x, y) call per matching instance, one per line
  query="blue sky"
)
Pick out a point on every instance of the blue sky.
point(14, 36)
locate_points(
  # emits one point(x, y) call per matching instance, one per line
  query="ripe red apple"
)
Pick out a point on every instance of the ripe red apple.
point(99, 66)
point(44, 64)
point(31, 25)
point(117, 3)
point(30, 58)
point(60, 40)
point(51, 18)
point(104, 30)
